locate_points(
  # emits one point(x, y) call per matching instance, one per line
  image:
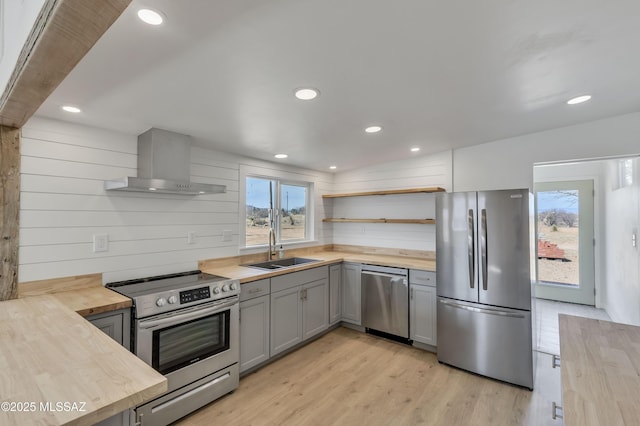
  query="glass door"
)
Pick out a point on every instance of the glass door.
point(565, 255)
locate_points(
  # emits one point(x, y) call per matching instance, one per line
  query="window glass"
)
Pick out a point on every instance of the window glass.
point(271, 203)
point(259, 202)
point(293, 209)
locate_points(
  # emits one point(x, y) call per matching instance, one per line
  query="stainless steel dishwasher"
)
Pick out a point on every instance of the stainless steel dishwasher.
point(385, 297)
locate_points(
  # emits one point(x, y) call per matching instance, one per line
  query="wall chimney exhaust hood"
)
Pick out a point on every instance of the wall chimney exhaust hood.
point(164, 166)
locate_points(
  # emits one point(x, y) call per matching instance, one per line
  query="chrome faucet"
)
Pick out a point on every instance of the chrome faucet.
point(272, 243)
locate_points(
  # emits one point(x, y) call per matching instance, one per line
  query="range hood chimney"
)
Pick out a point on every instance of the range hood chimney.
point(164, 166)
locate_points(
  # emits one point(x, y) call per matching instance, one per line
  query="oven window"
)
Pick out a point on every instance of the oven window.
point(183, 344)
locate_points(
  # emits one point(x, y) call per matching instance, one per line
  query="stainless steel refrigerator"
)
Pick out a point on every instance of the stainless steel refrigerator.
point(484, 263)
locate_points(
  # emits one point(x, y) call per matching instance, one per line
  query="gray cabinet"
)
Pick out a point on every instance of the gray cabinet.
point(422, 309)
point(299, 307)
point(116, 324)
point(254, 323)
point(351, 293)
point(335, 293)
point(315, 308)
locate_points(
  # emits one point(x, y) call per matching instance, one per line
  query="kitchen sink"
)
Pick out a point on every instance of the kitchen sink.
point(281, 263)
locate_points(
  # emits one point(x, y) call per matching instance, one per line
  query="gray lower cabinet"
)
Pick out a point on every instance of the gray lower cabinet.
point(335, 293)
point(422, 309)
point(116, 324)
point(299, 307)
point(351, 293)
point(254, 323)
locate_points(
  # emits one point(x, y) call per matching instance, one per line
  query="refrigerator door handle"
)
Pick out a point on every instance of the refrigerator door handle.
point(482, 311)
point(483, 248)
point(471, 245)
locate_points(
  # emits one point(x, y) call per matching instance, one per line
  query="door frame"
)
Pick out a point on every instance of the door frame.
point(558, 292)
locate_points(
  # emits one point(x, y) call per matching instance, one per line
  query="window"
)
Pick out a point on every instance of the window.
point(278, 204)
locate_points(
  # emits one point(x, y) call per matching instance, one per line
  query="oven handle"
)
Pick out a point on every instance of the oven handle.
point(196, 313)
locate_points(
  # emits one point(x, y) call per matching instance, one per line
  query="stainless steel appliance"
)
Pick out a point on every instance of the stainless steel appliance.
point(186, 327)
point(484, 283)
point(385, 295)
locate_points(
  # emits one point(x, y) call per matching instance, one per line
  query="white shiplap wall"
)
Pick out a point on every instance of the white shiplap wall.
point(422, 171)
point(63, 204)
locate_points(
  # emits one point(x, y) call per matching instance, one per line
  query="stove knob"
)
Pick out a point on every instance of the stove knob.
point(234, 286)
point(216, 290)
point(161, 302)
point(225, 288)
point(172, 300)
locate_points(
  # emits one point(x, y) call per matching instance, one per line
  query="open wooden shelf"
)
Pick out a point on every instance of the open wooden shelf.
point(386, 192)
point(382, 220)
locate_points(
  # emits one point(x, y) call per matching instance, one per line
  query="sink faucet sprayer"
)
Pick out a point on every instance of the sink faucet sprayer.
point(272, 244)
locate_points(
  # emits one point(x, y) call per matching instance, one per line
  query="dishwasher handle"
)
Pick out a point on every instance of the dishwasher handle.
point(380, 274)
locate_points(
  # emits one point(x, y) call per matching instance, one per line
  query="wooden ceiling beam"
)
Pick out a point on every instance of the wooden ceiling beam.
point(63, 33)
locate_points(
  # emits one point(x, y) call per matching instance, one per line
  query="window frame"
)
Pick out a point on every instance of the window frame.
point(279, 178)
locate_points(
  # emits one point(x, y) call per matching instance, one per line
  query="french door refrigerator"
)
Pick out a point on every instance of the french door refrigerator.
point(484, 282)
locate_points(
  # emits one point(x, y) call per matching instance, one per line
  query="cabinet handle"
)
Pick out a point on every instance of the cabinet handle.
point(554, 411)
point(555, 361)
point(411, 292)
point(255, 290)
point(138, 420)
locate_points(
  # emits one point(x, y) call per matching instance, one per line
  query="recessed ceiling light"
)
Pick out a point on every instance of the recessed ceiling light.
point(152, 189)
point(281, 155)
point(72, 109)
point(306, 93)
point(333, 167)
point(373, 129)
point(415, 149)
point(150, 17)
point(579, 99)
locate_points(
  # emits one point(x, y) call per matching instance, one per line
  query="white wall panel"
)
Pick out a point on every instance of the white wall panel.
point(508, 163)
point(423, 171)
point(63, 204)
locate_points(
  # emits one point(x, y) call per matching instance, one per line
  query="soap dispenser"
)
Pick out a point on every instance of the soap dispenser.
point(281, 252)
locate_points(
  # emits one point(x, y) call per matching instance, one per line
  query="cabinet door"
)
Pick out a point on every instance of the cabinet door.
point(351, 311)
point(114, 324)
point(286, 319)
point(315, 308)
point(335, 296)
point(254, 332)
point(423, 314)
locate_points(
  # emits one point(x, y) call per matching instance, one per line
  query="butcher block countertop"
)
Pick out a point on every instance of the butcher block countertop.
point(57, 368)
point(232, 267)
point(82, 294)
point(600, 363)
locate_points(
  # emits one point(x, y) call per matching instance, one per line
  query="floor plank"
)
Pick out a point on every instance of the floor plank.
point(347, 378)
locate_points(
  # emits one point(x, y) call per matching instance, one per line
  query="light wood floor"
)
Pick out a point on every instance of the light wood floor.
point(351, 378)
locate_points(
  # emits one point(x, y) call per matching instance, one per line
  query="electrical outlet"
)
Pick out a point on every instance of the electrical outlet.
point(100, 242)
point(191, 237)
point(226, 235)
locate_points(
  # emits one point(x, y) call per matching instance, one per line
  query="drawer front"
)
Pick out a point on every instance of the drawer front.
point(417, 276)
point(255, 289)
point(293, 279)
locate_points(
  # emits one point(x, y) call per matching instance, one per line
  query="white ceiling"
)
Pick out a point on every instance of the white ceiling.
point(438, 74)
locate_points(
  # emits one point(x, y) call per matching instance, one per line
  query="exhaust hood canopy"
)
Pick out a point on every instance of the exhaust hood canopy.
point(164, 166)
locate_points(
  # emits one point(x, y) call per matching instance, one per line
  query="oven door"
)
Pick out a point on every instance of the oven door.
point(188, 344)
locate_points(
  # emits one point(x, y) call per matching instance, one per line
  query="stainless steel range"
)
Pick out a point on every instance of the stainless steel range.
point(186, 327)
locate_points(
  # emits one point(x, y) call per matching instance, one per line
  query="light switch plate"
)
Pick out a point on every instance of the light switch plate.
point(226, 235)
point(100, 243)
point(191, 237)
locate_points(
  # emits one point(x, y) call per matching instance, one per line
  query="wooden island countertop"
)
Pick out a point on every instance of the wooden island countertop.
point(600, 363)
point(57, 368)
